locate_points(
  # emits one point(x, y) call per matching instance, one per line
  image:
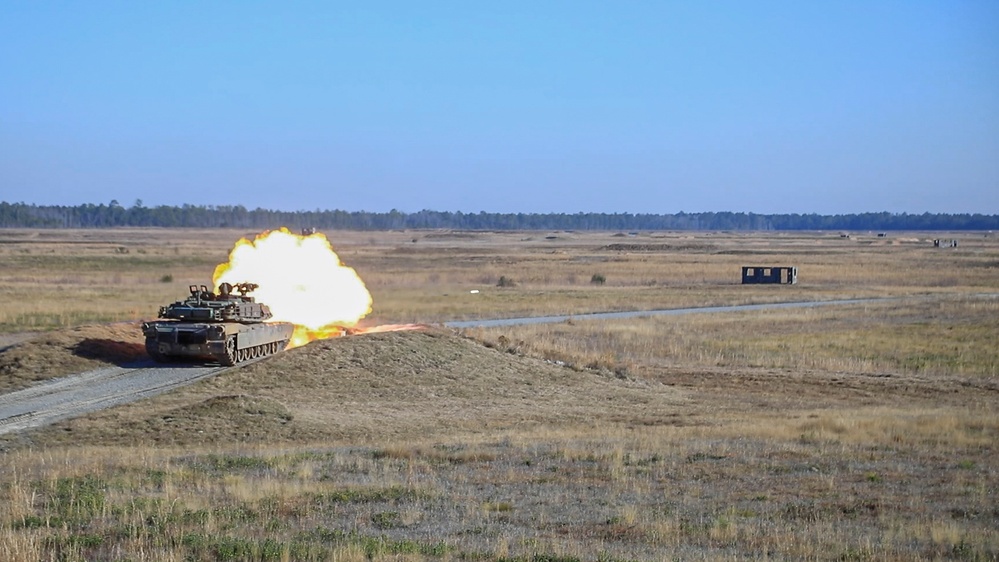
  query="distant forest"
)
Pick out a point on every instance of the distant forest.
point(14, 215)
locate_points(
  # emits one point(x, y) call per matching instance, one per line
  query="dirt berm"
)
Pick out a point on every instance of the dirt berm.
point(394, 385)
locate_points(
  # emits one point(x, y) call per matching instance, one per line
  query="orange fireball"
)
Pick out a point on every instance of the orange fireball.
point(302, 280)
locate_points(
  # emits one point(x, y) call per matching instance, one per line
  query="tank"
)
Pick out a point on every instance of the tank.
point(224, 327)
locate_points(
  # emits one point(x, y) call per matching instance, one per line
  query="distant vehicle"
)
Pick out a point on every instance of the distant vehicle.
point(222, 327)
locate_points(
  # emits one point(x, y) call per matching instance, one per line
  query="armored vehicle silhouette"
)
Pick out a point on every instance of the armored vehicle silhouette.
point(223, 327)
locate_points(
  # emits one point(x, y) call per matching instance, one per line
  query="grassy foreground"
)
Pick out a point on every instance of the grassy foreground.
point(824, 487)
point(861, 432)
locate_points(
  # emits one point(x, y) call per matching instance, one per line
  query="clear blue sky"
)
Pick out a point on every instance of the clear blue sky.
point(541, 106)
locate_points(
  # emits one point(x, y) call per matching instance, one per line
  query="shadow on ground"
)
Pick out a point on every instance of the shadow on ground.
point(119, 353)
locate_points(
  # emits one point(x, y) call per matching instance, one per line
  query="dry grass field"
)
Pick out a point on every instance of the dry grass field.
point(849, 432)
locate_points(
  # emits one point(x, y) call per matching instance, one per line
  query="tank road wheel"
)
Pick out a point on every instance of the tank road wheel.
point(241, 355)
point(230, 356)
point(153, 349)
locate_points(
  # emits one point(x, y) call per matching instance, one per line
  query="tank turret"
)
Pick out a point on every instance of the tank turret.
point(205, 306)
point(224, 326)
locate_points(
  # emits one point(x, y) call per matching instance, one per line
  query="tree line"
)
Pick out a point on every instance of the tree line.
point(21, 215)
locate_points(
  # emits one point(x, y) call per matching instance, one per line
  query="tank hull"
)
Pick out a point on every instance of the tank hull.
point(226, 342)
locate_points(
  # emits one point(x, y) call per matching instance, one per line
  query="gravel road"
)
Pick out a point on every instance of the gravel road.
point(645, 313)
point(499, 323)
point(70, 396)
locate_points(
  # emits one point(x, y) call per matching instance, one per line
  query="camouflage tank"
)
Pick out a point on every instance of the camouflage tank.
point(224, 327)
